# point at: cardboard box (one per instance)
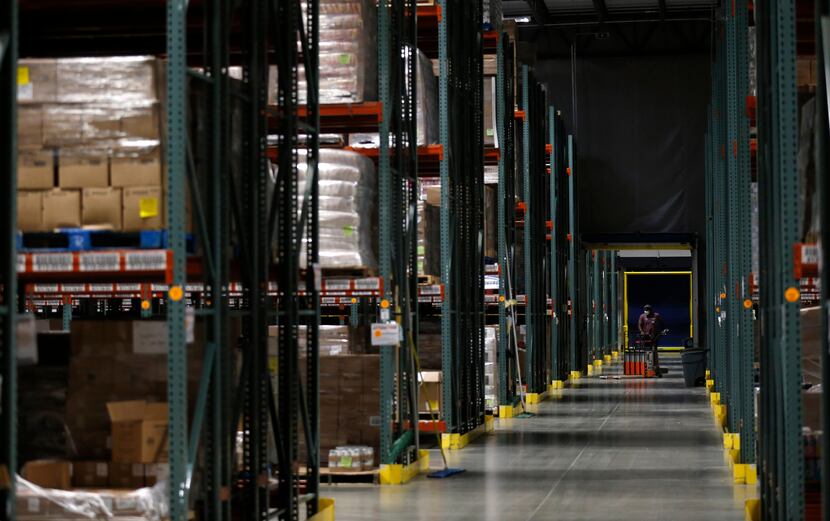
(430, 391)
(61, 209)
(489, 90)
(806, 72)
(139, 431)
(83, 171)
(143, 208)
(35, 169)
(37, 81)
(62, 125)
(126, 475)
(141, 169)
(155, 472)
(90, 474)
(29, 126)
(29, 210)
(101, 122)
(29, 505)
(142, 122)
(101, 207)
(49, 473)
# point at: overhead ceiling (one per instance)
(613, 27)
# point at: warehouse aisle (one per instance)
(609, 449)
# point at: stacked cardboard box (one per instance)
(116, 393)
(90, 147)
(37, 503)
(349, 402)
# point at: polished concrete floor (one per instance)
(607, 449)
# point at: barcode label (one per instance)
(430, 290)
(21, 263)
(52, 262)
(145, 261)
(99, 262)
(73, 288)
(367, 284)
(337, 285)
(100, 288)
(46, 288)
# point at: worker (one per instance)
(650, 323)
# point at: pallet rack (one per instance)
(460, 43)
(506, 204)
(240, 219)
(8, 264)
(780, 450)
(398, 240)
(535, 251)
(822, 31)
(729, 303)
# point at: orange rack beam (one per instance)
(340, 118)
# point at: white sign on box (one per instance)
(385, 334)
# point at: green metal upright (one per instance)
(528, 235)
(613, 310)
(822, 188)
(574, 358)
(176, 173)
(8, 255)
(781, 456)
(596, 302)
(505, 127)
(397, 183)
(553, 182)
(604, 262)
(460, 102)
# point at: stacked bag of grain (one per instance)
(90, 144)
(347, 192)
(348, 52)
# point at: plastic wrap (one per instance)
(118, 80)
(491, 375)
(348, 52)
(426, 110)
(347, 210)
(34, 502)
(90, 107)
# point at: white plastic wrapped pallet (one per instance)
(347, 210)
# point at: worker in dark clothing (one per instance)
(650, 323)
(651, 327)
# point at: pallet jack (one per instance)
(642, 359)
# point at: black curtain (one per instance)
(639, 137)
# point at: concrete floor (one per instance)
(605, 450)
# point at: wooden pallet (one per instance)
(357, 476)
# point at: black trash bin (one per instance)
(694, 366)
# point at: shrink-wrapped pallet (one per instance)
(347, 210)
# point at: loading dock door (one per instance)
(669, 293)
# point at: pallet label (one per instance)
(145, 261)
(99, 261)
(385, 334)
(367, 284)
(52, 262)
